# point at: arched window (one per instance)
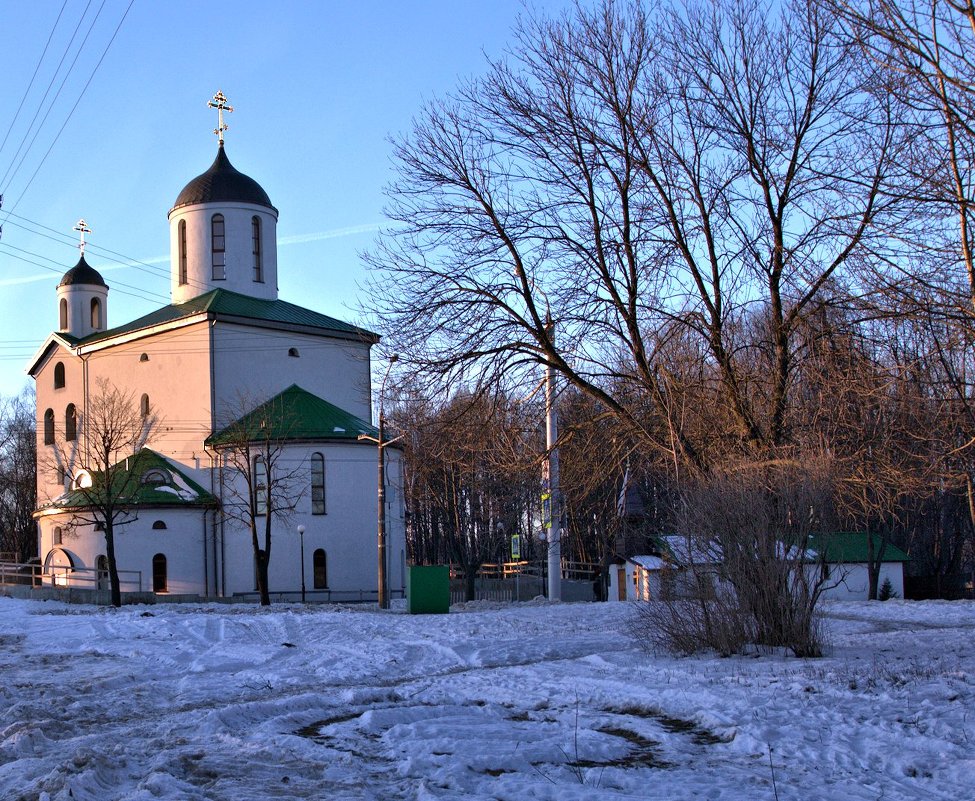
(181, 235)
(317, 484)
(260, 485)
(293, 353)
(256, 237)
(70, 423)
(159, 573)
(59, 375)
(154, 477)
(144, 406)
(159, 525)
(320, 569)
(63, 315)
(96, 314)
(49, 427)
(57, 536)
(218, 247)
(101, 565)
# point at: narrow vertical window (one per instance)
(60, 474)
(256, 236)
(258, 557)
(144, 406)
(49, 427)
(182, 251)
(96, 314)
(218, 247)
(59, 375)
(63, 315)
(70, 423)
(320, 569)
(58, 536)
(101, 566)
(260, 485)
(159, 581)
(317, 484)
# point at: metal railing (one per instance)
(12, 572)
(90, 578)
(36, 575)
(572, 571)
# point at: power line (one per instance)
(32, 77)
(75, 106)
(136, 291)
(154, 270)
(47, 91)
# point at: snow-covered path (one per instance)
(233, 703)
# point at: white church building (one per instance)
(226, 338)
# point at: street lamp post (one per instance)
(301, 539)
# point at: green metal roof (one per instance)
(147, 479)
(294, 414)
(224, 303)
(847, 547)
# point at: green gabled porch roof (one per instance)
(224, 303)
(851, 547)
(294, 414)
(176, 488)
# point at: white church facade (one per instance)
(227, 346)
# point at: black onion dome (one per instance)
(221, 183)
(82, 273)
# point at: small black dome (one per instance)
(222, 182)
(82, 273)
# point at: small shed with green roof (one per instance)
(847, 556)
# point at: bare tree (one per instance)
(18, 477)
(746, 575)
(472, 479)
(925, 54)
(112, 427)
(700, 175)
(261, 481)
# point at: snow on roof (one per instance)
(649, 562)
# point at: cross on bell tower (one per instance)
(82, 228)
(219, 102)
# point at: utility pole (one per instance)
(381, 444)
(554, 539)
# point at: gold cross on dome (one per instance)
(82, 228)
(219, 102)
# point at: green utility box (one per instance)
(428, 589)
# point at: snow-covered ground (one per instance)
(531, 701)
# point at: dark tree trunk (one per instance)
(113, 578)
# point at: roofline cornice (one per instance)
(359, 335)
(142, 333)
(53, 338)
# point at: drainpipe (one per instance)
(219, 568)
(206, 567)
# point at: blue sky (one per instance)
(318, 88)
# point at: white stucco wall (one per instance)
(58, 400)
(176, 377)
(851, 582)
(238, 255)
(136, 542)
(253, 364)
(79, 298)
(347, 531)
